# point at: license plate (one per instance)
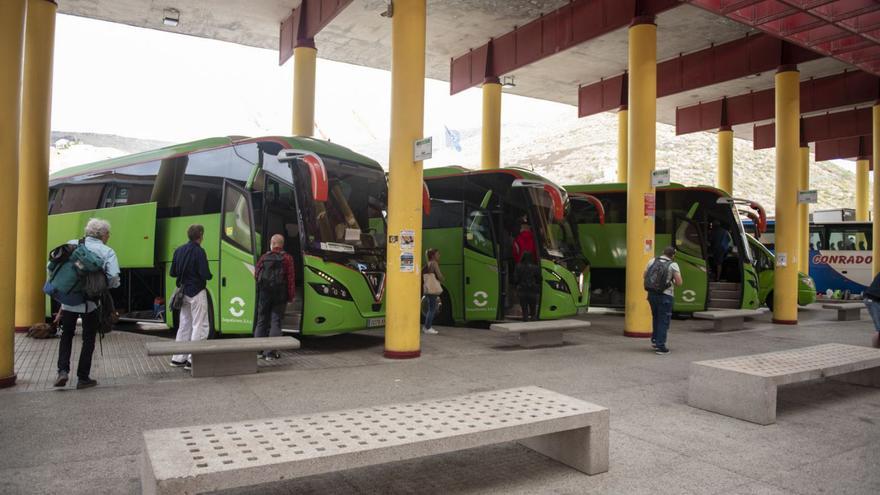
(375, 322)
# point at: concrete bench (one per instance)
(728, 319)
(220, 456)
(540, 333)
(745, 387)
(847, 311)
(222, 357)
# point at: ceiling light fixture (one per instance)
(508, 82)
(171, 18)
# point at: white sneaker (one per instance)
(429, 331)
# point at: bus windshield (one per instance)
(555, 236)
(746, 247)
(353, 217)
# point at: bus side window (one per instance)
(77, 197)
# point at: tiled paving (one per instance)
(826, 440)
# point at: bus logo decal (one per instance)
(236, 307)
(688, 295)
(481, 299)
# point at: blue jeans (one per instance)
(874, 311)
(431, 312)
(661, 314)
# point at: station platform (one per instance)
(826, 440)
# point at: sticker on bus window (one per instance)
(229, 231)
(337, 247)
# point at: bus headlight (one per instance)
(808, 281)
(581, 279)
(557, 283)
(331, 288)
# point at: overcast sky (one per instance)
(116, 79)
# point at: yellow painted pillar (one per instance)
(405, 178)
(12, 20)
(875, 225)
(622, 143)
(725, 160)
(804, 213)
(862, 190)
(305, 57)
(491, 145)
(787, 165)
(641, 153)
(33, 175)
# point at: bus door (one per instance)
(690, 256)
(237, 300)
(481, 274)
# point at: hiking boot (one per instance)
(177, 364)
(85, 383)
(62, 379)
(188, 366)
(661, 351)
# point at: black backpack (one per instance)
(272, 278)
(657, 276)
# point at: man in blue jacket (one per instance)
(872, 301)
(190, 267)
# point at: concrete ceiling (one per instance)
(359, 35)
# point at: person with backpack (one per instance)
(276, 286)
(662, 276)
(432, 279)
(189, 265)
(91, 255)
(871, 298)
(528, 286)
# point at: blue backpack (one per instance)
(76, 274)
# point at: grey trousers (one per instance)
(269, 318)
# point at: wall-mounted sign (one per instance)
(422, 149)
(808, 197)
(660, 178)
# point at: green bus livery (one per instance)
(473, 220)
(765, 262)
(683, 218)
(328, 202)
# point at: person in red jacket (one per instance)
(524, 243)
(276, 287)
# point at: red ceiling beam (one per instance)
(713, 65)
(831, 28)
(846, 148)
(304, 23)
(826, 93)
(565, 27)
(820, 128)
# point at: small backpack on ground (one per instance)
(272, 278)
(76, 274)
(43, 331)
(657, 276)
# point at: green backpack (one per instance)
(76, 274)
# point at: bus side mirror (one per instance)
(558, 204)
(318, 174)
(426, 199)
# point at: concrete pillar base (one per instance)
(637, 335)
(402, 354)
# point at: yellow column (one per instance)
(12, 19)
(491, 145)
(804, 214)
(304, 59)
(787, 164)
(875, 225)
(33, 175)
(405, 177)
(640, 160)
(862, 190)
(622, 143)
(725, 160)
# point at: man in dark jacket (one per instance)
(276, 286)
(872, 301)
(190, 267)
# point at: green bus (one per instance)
(765, 262)
(327, 201)
(683, 215)
(473, 220)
